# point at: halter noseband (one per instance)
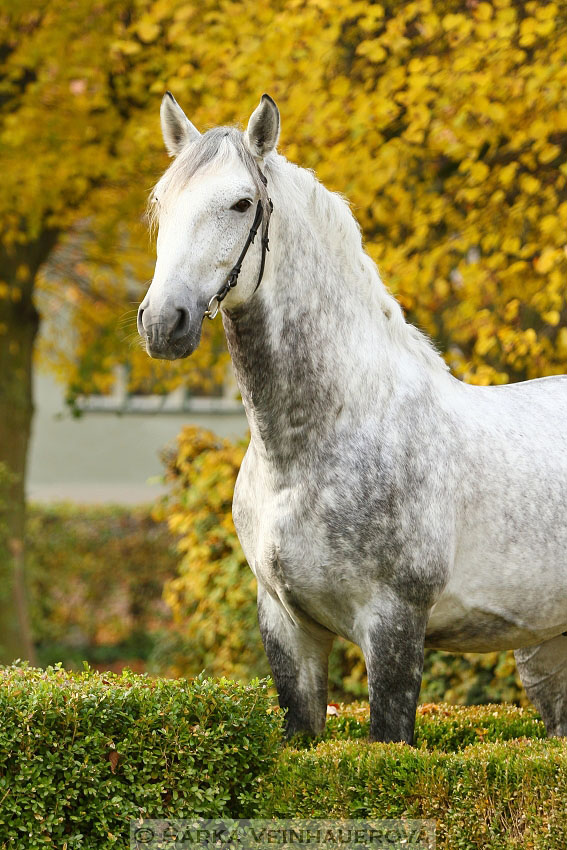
(232, 278)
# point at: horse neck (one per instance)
(312, 350)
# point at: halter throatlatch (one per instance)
(232, 278)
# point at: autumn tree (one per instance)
(77, 160)
(51, 156)
(60, 123)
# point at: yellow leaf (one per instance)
(549, 153)
(128, 48)
(549, 223)
(546, 260)
(511, 310)
(507, 173)
(529, 183)
(552, 317)
(147, 31)
(373, 50)
(562, 341)
(483, 12)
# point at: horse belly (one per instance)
(508, 583)
(496, 600)
(458, 625)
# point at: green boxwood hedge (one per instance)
(442, 726)
(82, 754)
(488, 796)
(486, 774)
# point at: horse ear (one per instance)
(263, 128)
(176, 128)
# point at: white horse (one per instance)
(380, 498)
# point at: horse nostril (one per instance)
(181, 326)
(140, 322)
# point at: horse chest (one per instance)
(274, 526)
(286, 546)
(327, 548)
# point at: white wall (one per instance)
(105, 457)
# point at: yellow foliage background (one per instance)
(444, 123)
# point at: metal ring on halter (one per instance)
(207, 312)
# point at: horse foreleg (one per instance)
(543, 671)
(298, 653)
(393, 651)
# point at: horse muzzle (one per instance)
(170, 333)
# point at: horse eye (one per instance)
(242, 205)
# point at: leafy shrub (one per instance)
(471, 678)
(213, 597)
(442, 726)
(490, 796)
(96, 577)
(82, 754)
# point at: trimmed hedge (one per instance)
(486, 774)
(442, 726)
(488, 796)
(82, 754)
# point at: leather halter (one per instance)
(232, 278)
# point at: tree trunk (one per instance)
(19, 322)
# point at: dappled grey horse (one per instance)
(380, 498)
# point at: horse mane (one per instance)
(345, 237)
(344, 234)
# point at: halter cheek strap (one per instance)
(232, 278)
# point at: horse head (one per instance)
(206, 208)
